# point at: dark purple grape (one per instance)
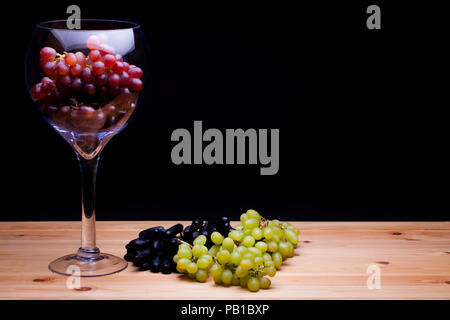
(166, 266)
(156, 262)
(141, 255)
(145, 266)
(138, 244)
(129, 256)
(114, 90)
(174, 230)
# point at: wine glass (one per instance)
(86, 83)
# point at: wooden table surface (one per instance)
(331, 262)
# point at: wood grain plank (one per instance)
(330, 263)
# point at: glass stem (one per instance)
(88, 250)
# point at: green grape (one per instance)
(253, 214)
(248, 241)
(192, 267)
(240, 272)
(261, 245)
(279, 232)
(276, 238)
(179, 269)
(235, 280)
(236, 235)
(207, 257)
(257, 233)
(293, 229)
(226, 276)
(271, 271)
(268, 233)
(216, 269)
(276, 222)
(243, 217)
(198, 250)
(277, 259)
(250, 223)
(201, 275)
(185, 253)
(223, 256)
(228, 244)
(216, 237)
(191, 275)
(255, 251)
(214, 249)
(243, 281)
(253, 284)
(235, 258)
(239, 227)
(182, 263)
(203, 263)
(291, 249)
(264, 283)
(200, 240)
(267, 257)
(247, 232)
(283, 248)
(248, 255)
(285, 225)
(269, 263)
(291, 236)
(184, 246)
(218, 278)
(272, 224)
(259, 261)
(176, 258)
(242, 249)
(246, 264)
(272, 246)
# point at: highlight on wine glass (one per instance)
(86, 83)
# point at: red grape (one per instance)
(125, 91)
(118, 57)
(48, 54)
(114, 80)
(109, 109)
(98, 67)
(87, 75)
(42, 62)
(76, 70)
(94, 55)
(114, 90)
(62, 68)
(117, 67)
(49, 67)
(93, 42)
(64, 81)
(101, 80)
(77, 84)
(62, 115)
(81, 58)
(135, 85)
(124, 79)
(86, 112)
(103, 91)
(109, 60)
(135, 72)
(89, 88)
(97, 121)
(126, 66)
(36, 91)
(48, 85)
(70, 59)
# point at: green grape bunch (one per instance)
(253, 250)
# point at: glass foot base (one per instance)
(73, 265)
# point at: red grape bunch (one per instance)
(87, 92)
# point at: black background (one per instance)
(359, 113)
